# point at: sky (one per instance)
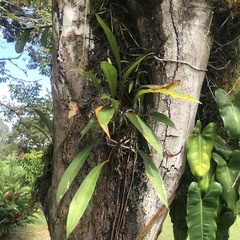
(7, 50)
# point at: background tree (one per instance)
(27, 22)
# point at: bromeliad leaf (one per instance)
(82, 197)
(89, 75)
(146, 131)
(104, 116)
(154, 177)
(230, 112)
(111, 74)
(161, 118)
(112, 41)
(72, 171)
(166, 89)
(202, 212)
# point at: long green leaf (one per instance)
(146, 131)
(202, 212)
(161, 118)
(46, 120)
(227, 175)
(89, 75)
(154, 177)
(230, 112)
(72, 171)
(112, 41)
(82, 197)
(111, 74)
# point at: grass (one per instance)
(167, 232)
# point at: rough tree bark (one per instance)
(124, 202)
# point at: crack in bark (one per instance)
(171, 11)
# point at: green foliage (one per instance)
(214, 198)
(26, 123)
(199, 149)
(82, 197)
(230, 112)
(146, 131)
(120, 109)
(154, 177)
(202, 212)
(15, 207)
(72, 171)
(32, 165)
(28, 23)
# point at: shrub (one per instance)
(16, 207)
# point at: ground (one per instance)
(36, 231)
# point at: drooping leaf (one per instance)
(225, 221)
(161, 118)
(229, 111)
(72, 171)
(202, 212)
(22, 40)
(46, 120)
(112, 41)
(90, 75)
(104, 115)
(111, 74)
(154, 177)
(199, 149)
(145, 130)
(82, 197)
(166, 89)
(89, 125)
(227, 175)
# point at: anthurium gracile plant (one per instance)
(105, 116)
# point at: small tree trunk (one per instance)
(124, 201)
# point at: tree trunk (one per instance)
(124, 205)
(179, 33)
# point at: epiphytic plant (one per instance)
(116, 110)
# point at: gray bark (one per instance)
(125, 205)
(181, 38)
